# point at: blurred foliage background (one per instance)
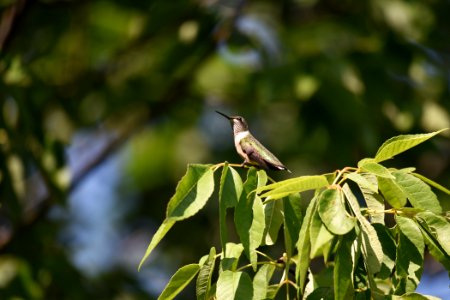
(103, 103)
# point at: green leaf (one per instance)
(256, 230)
(401, 143)
(249, 216)
(376, 169)
(292, 221)
(229, 193)
(204, 276)
(273, 212)
(371, 246)
(230, 257)
(418, 192)
(437, 226)
(261, 281)
(304, 246)
(262, 178)
(157, 237)
(432, 183)
(320, 236)
(333, 214)
(230, 187)
(414, 296)
(234, 285)
(291, 186)
(435, 248)
(363, 182)
(343, 268)
(192, 192)
(392, 192)
(374, 201)
(389, 249)
(179, 281)
(410, 250)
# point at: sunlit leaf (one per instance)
(273, 212)
(371, 246)
(333, 213)
(363, 182)
(203, 285)
(229, 192)
(432, 183)
(410, 251)
(374, 201)
(414, 296)
(437, 226)
(249, 216)
(256, 230)
(234, 285)
(435, 248)
(304, 246)
(419, 193)
(160, 233)
(389, 249)
(179, 281)
(376, 169)
(192, 192)
(401, 143)
(230, 257)
(291, 186)
(261, 281)
(392, 192)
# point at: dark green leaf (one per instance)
(343, 269)
(179, 281)
(292, 221)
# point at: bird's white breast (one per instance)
(237, 140)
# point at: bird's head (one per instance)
(238, 123)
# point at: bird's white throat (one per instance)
(243, 134)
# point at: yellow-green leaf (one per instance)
(401, 143)
(291, 186)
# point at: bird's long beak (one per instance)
(229, 118)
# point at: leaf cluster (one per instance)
(344, 223)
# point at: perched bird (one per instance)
(250, 149)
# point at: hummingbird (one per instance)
(249, 148)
